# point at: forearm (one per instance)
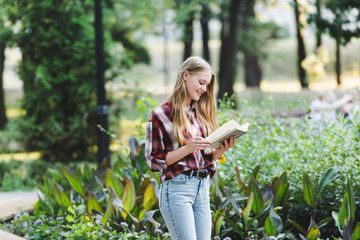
(176, 155)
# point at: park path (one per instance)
(12, 203)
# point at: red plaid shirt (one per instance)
(160, 139)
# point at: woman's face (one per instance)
(196, 84)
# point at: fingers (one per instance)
(228, 143)
(232, 141)
(199, 143)
(199, 139)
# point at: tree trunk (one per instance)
(252, 68)
(227, 71)
(338, 63)
(253, 71)
(318, 32)
(188, 36)
(3, 118)
(204, 21)
(301, 47)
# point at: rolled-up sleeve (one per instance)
(155, 152)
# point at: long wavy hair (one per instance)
(205, 108)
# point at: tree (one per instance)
(185, 18)
(5, 38)
(56, 39)
(341, 23)
(187, 12)
(120, 25)
(318, 5)
(252, 68)
(301, 53)
(228, 50)
(204, 21)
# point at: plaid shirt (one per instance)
(160, 139)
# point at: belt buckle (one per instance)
(202, 173)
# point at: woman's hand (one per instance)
(228, 144)
(197, 143)
(223, 147)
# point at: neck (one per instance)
(188, 103)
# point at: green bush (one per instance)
(58, 70)
(10, 137)
(22, 175)
(295, 145)
(42, 227)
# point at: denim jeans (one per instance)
(185, 206)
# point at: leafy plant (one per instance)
(100, 195)
(74, 227)
(311, 197)
(345, 218)
(249, 210)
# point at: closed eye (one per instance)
(203, 83)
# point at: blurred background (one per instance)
(281, 50)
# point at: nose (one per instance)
(203, 88)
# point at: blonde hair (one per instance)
(205, 108)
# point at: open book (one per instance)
(231, 128)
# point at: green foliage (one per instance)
(256, 41)
(76, 227)
(273, 224)
(101, 197)
(127, 47)
(6, 33)
(252, 215)
(58, 66)
(280, 189)
(294, 145)
(341, 22)
(345, 218)
(57, 43)
(22, 175)
(309, 192)
(311, 197)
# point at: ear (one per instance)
(186, 75)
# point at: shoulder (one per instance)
(161, 112)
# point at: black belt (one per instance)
(202, 173)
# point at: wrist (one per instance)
(187, 149)
(217, 154)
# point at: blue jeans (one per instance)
(185, 206)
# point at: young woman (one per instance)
(176, 146)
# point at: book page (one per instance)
(230, 125)
(229, 129)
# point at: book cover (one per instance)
(231, 128)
